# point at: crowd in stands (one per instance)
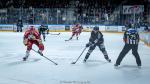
(59, 11)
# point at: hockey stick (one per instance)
(67, 40)
(79, 56)
(45, 57)
(54, 34)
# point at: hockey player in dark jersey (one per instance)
(42, 30)
(80, 29)
(96, 39)
(131, 39)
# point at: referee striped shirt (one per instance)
(131, 36)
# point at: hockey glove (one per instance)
(92, 45)
(25, 42)
(88, 44)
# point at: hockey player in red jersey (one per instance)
(75, 31)
(31, 37)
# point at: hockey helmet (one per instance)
(96, 28)
(130, 25)
(42, 24)
(31, 28)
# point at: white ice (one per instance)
(38, 70)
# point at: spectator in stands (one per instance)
(146, 28)
(19, 25)
(31, 19)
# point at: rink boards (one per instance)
(64, 28)
(145, 37)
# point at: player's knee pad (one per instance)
(103, 49)
(89, 52)
(135, 53)
(29, 46)
(41, 47)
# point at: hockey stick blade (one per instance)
(66, 40)
(79, 56)
(54, 34)
(73, 62)
(56, 64)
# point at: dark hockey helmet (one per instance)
(130, 25)
(42, 24)
(96, 28)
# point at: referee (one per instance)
(131, 39)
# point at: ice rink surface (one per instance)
(38, 70)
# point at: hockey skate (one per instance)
(84, 61)
(139, 66)
(77, 38)
(116, 66)
(106, 57)
(26, 56)
(108, 60)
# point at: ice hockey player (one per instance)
(31, 37)
(96, 39)
(131, 39)
(75, 31)
(80, 29)
(42, 30)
